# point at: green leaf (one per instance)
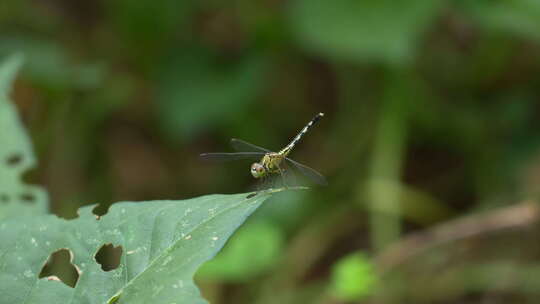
(49, 65)
(353, 277)
(237, 262)
(146, 28)
(198, 91)
(163, 243)
(16, 155)
(521, 17)
(367, 30)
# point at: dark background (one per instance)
(432, 114)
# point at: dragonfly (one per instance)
(270, 163)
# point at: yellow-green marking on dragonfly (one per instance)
(270, 162)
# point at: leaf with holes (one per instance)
(159, 244)
(16, 155)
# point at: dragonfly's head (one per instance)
(257, 170)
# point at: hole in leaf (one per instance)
(4, 198)
(109, 256)
(14, 160)
(28, 198)
(100, 210)
(59, 267)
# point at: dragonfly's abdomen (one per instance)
(299, 136)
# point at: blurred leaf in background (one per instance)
(147, 28)
(252, 251)
(198, 90)
(353, 277)
(384, 31)
(520, 17)
(16, 155)
(48, 64)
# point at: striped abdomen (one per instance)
(290, 146)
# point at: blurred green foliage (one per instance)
(376, 31)
(353, 277)
(251, 251)
(432, 111)
(16, 198)
(220, 89)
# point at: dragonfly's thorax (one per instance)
(271, 162)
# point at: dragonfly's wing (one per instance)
(231, 156)
(308, 172)
(240, 145)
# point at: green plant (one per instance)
(353, 277)
(161, 244)
(16, 154)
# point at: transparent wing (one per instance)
(231, 156)
(308, 172)
(240, 145)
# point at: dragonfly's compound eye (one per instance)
(257, 170)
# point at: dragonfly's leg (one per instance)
(282, 177)
(292, 177)
(266, 183)
(271, 181)
(260, 185)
